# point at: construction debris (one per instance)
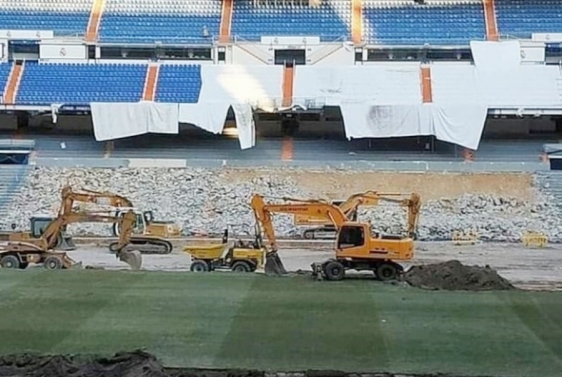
(142, 364)
(206, 201)
(454, 276)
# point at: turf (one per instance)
(250, 321)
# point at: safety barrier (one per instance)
(534, 239)
(465, 237)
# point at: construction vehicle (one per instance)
(356, 248)
(326, 229)
(238, 257)
(148, 236)
(38, 247)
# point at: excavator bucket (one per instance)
(273, 264)
(133, 258)
(65, 243)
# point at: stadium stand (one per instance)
(331, 20)
(166, 21)
(521, 18)
(64, 17)
(79, 84)
(403, 22)
(4, 75)
(179, 83)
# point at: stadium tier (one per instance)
(77, 84)
(167, 21)
(5, 69)
(396, 22)
(65, 17)
(330, 21)
(520, 18)
(178, 83)
(405, 22)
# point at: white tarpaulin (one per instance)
(118, 120)
(526, 86)
(241, 87)
(496, 55)
(386, 85)
(458, 124)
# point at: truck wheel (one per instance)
(10, 261)
(52, 263)
(241, 266)
(387, 271)
(334, 270)
(199, 266)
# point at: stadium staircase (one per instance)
(11, 179)
(550, 183)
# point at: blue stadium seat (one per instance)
(178, 83)
(331, 21)
(80, 84)
(521, 18)
(404, 22)
(166, 21)
(64, 17)
(5, 69)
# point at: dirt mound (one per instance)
(142, 364)
(130, 364)
(454, 276)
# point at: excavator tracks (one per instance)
(146, 246)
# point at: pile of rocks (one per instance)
(206, 201)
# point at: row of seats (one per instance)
(80, 84)
(5, 69)
(198, 21)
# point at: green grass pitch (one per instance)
(250, 321)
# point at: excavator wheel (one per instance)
(146, 246)
(387, 271)
(52, 263)
(10, 261)
(334, 271)
(308, 234)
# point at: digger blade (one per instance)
(133, 258)
(274, 265)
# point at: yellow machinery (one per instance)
(350, 206)
(38, 249)
(148, 235)
(356, 248)
(239, 257)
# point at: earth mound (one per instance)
(142, 364)
(455, 276)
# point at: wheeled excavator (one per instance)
(350, 206)
(148, 236)
(356, 248)
(39, 249)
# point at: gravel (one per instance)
(205, 201)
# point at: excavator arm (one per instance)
(69, 196)
(263, 214)
(50, 234)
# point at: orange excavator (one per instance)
(350, 206)
(356, 248)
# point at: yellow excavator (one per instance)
(148, 235)
(356, 248)
(350, 206)
(37, 246)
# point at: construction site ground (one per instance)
(294, 323)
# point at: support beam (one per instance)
(288, 78)
(12, 86)
(356, 21)
(492, 33)
(426, 87)
(226, 20)
(95, 19)
(150, 83)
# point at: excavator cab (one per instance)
(38, 224)
(351, 236)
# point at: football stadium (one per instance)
(281, 188)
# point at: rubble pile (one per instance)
(206, 201)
